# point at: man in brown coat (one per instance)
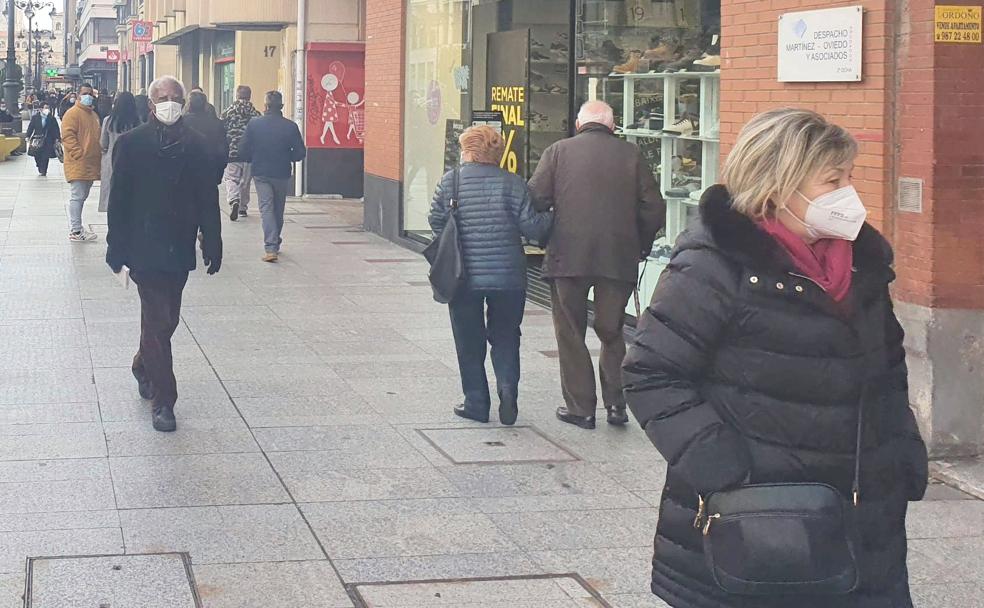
(83, 158)
(607, 211)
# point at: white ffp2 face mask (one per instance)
(836, 215)
(168, 112)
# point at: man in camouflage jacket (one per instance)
(238, 173)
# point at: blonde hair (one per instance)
(776, 152)
(482, 144)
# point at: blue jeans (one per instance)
(472, 334)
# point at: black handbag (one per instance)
(447, 272)
(34, 145)
(59, 151)
(783, 538)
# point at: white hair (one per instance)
(157, 84)
(596, 112)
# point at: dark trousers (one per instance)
(570, 315)
(41, 160)
(160, 313)
(472, 334)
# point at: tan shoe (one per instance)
(270, 257)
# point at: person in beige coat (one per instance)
(83, 157)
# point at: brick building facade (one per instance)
(918, 114)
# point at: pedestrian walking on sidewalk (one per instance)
(771, 355)
(494, 213)
(163, 194)
(44, 125)
(199, 117)
(607, 213)
(237, 172)
(83, 158)
(272, 144)
(121, 119)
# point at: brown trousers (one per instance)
(570, 316)
(160, 313)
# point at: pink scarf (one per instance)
(827, 262)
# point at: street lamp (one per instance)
(40, 35)
(30, 8)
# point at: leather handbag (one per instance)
(34, 145)
(59, 151)
(783, 538)
(447, 273)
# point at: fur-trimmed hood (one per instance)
(738, 238)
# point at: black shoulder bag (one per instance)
(447, 272)
(783, 538)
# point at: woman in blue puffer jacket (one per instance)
(494, 213)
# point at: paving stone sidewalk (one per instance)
(317, 461)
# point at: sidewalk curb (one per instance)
(945, 471)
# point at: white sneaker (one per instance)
(82, 236)
(683, 126)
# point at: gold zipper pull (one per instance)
(700, 512)
(710, 518)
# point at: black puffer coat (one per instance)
(494, 211)
(743, 371)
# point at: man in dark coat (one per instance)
(607, 213)
(44, 125)
(201, 119)
(272, 144)
(163, 193)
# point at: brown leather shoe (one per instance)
(271, 257)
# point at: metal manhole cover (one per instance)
(513, 445)
(554, 590)
(160, 580)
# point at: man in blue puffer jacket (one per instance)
(494, 213)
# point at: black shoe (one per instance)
(43, 174)
(508, 406)
(585, 422)
(234, 212)
(242, 213)
(164, 420)
(143, 386)
(617, 415)
(464, 412)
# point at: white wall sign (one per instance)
(821, 46)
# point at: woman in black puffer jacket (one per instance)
(494, 213)
(771, 321)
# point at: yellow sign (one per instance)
(958, 24)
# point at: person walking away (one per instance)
(272, 144)
(494, 213)
(80, 140)
(238, 171)
(67, 103)
(45, 126)
(122, 118)
(143, 104)
(769, 350)
(104, 105)
(210, 108)
(607, 213)
(198, 117)
(163, 194)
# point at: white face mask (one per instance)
(45, 112)
(836, 215)
(168, 112)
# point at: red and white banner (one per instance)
(143, 31)
(112, 56)
(335, 100)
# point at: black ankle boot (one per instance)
(617, 415)
(585, 422)
(465, 412)
(164, 420)
(508, 406)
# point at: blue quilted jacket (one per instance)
(494, 213)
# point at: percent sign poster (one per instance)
(508, 92)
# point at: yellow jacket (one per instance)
(80, 139)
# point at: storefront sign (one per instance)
(958, 24)
(143, 31)
(112, 56)
(336, 89)
(452, 147)
(488, 119)
(821, 46)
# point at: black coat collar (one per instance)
(739, 238)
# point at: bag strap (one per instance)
(453, 201)
(856, 487)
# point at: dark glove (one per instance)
(213, 264)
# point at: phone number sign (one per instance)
(958, 24)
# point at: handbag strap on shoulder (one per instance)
(856, 487)
(453, 201)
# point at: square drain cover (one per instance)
(546, 591)
(518, 444)
(111, 581)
